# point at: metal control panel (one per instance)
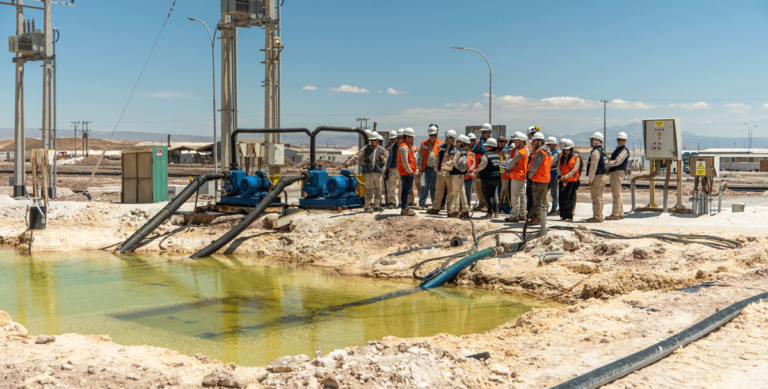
(274, 153)
(704, 166)
(663, 139)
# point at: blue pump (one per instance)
(326, 192)
(244, 190)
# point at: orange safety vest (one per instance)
(425, 151)
(566, 168)
(411, 160)
(542, 174)
(519, 171)
(471, 164)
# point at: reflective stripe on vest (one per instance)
(542, 174)
(411, 160)
(471, 164)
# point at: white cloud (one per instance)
(765, 107)
(391, 91)
(699, 105)
(563, 102)
(623, 104)
(349, 89)
(171, 95)
(381, 91)
(455, 105)
(477, 105)
(738, 108)
(309, 87)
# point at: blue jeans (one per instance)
(468, 189)
(406, 186)
(430, 183)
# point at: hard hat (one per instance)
(486, 127)
(379, 137)
(400, 131)
(463, 139)
(538, 136)
(598, 136)
(393, 134)
(412, 130)
(520, 136)
(471, 136)
(533, 129)
(622, 135)
(502, 138)
(450, 134)
(491, 142)
(373, 136)
(551, 140)
(409, 132)
(563, 143)
(432, 130)
(568, 144)
(367, 132)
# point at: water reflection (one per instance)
(239, 310)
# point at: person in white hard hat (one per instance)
(569, 170)
(444, 186)
(416, 192)
(374, 157)
(529, 187)
(488, 175)
(617, 168)
(596, 172)
(460, 167)
(553, 187)
(407, 169)
(479, 149)
(518, 170)
(539, 174)
(428, 157)
(471, 169)
(393, 179)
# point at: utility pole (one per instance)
(605, 134)
(361, 120)
(19, 189)
(86, 135)
(74, 137)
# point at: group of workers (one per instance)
(515, 177)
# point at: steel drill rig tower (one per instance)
(247, 14)
(30, 44)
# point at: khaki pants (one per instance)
(596, 190)
(459, 194)
(372, 189)
(479, 192)
(504, 191)
(444, 187)
(415, 193)
(518, 201)
(540, 190)
(618, 205)
(394, 178)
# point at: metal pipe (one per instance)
(250, 218)
(320, 129)
(19, 170)
(55, 133)
(166, 212)
(653, 173)
(666, 186)
(720, 196)
(235, 133)
(543, 220)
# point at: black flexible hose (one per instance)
(167, 212)
(707, 240)
(248, 219)
(615, 370)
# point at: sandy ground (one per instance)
(622, 296)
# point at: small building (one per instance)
(183, 155)
(300, 154)
(736, 159)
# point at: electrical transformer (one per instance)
(248, 9)
(663, 139)
(30, 43)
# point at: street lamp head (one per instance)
(458, 48)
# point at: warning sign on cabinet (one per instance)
(701, 168)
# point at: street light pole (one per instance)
(213, 73)
(605, 126)
(490, 97)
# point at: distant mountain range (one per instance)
(633, 130)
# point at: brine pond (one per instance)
(242, 310)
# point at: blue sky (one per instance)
(703, 61)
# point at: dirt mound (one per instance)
(67, 144)
(94, 159)
(626, 281)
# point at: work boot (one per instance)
(614, 217)
(593, 220)
(552, 213)
(464, 215)
(378, 209)
(534, 222)
(495, 215)
(433, 212)
(569, 220)
(511, 219)
(453, 214)
(487, 216)
(368, 210)
(478, 208)
(407, 212)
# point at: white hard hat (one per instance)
(471, 135)
(379, 137)
(400, 131)
(450, 134)
(519, 136)
(409, 132)
(393, 134)
(622, 135)
(568, 144)
(538, 136)
(598, 136)
(432, 130)
(373, 136)
(486, 127)
(491, 142)
(533, 129)
(463, 138)
(551, 140)
(563, 143)
(367, 132)
(412, 130)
